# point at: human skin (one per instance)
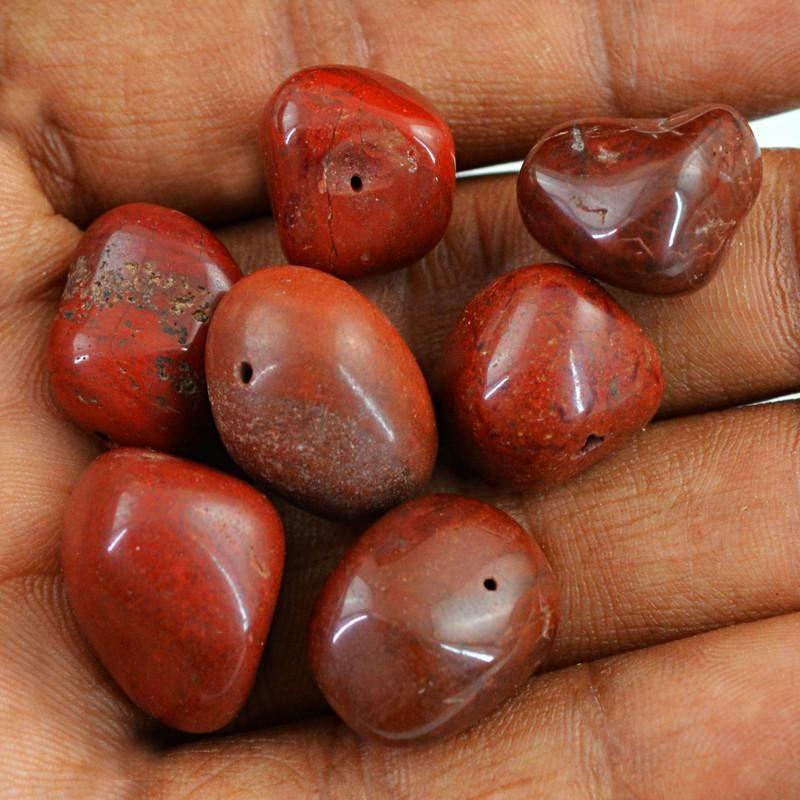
(673, 674)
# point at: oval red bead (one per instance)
(126, 348)
(645, 204)
(172, 570)
(438, 614)
(315, 393)
(545, 374)
(360, 170)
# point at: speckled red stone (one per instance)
(544, 375)
(315, 393)
(126, 348)
(438, 614)
(360, 170)
(172, 570)
(648, 205)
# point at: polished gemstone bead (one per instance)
(172, 570)
(126, 348)
(438, 614)
(544, 375)
(645, 204)
(315, 393)
(360, 170)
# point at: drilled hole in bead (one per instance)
(103, 437)
(591, 442)
(245, 372)
(490, 584)
(356, 184)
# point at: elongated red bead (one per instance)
(645, 204)
(316, 394)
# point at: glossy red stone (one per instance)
(172, 570)
(645, 204)
(360, 170)
(315, 393)
(438, 614)
(544, 375)
(126, 348)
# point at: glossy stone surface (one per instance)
(545, 374)
(360, 170)
(439, 613)
(315, 393)
(126, 348)
(172, 570)
(645, 204)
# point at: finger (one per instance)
(662, 540)
(734, 341)
(711, 716)
(114, 107)
(667, 539)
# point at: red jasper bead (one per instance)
(315, 393)
(126, 348)
(360, 170)
(645, 204)
(172, 570)
(438, 614)
(544, 375)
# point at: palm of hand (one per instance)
(692, 528)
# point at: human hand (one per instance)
(693, 527)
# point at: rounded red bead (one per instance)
(315, 393)
(126, 348)
(439, 613)
(645, 204)
(172, 570)
(545, 374)
(360, 170)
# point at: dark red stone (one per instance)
(360, 170)
(315, 393)
(173, 570)
(544, 375)
(645, 204)
(438, 614)
(126, 347)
